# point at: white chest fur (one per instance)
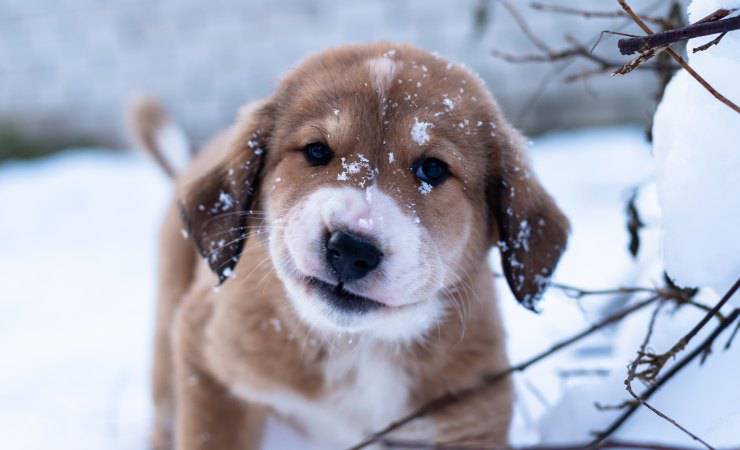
(365, 391)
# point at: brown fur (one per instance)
(145, 117)
(210, 343)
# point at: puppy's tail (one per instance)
(153, 131)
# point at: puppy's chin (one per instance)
(322, 310)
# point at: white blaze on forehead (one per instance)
(382, 72)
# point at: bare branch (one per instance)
(654, 386)
(709, 44)
(524, 27)
(572, 373)
(634, 223)
(646, 375)
(636, 63)
(684, 341)
(612, 444)
(641, 44)
(595, 14)
(732, 336)
(490, 379)
(576, 293)
(628, 9)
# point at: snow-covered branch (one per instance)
(667, 293)
(700, 350)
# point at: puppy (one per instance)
(325, 257)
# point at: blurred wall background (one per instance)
(68, 66)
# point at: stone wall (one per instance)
(68, 66)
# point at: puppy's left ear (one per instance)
(531, 230)
(217, 208)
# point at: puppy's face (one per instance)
(383, 175)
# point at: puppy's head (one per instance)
(382, 176)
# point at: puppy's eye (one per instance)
(431, 170)
(318, 154)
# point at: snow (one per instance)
(425, 188)
(697, 149)
(419, 133)
(448, 104)
(701, 397)
(78, 295)
(360, 164)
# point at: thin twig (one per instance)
(633, 373)
(490, 379)
(549, 55)
(709, 44)
(628, 9)
(634, 222)
(540, 91)
(571, 373)
(577, 293)
(531, 35)
(611, 444)
(684, 341)
(656, 362)
(594, 14)
(655, 40)
(631, 408)
(638, 62)
(732, 336)
(577, 50)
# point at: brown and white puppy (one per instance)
(372, 183)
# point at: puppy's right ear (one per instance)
(216, 207)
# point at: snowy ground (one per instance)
(77, 258)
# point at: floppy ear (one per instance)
(532, 231)
(216, 207)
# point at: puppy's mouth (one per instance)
(342, 299)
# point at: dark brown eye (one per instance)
(318, 154)
(431, 170)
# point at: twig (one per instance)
(684, 341)
(540, 90)
(577, 50)
(524, 27)
(610, 444)
(490, 379)
(714, 41)
(568, 56)
(570, 373)
(656, 40)
(633, 373)
(632, 368)
(595, 14)
(628, 9)
(577, 293)
(638, 62)
(634, 222)
(732, 336)
(682, 296)
(656, 362)
(631, 408)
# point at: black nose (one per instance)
(350, 256)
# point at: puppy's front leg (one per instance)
(209, 417)
(480, 421)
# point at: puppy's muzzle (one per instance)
(351, 257)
